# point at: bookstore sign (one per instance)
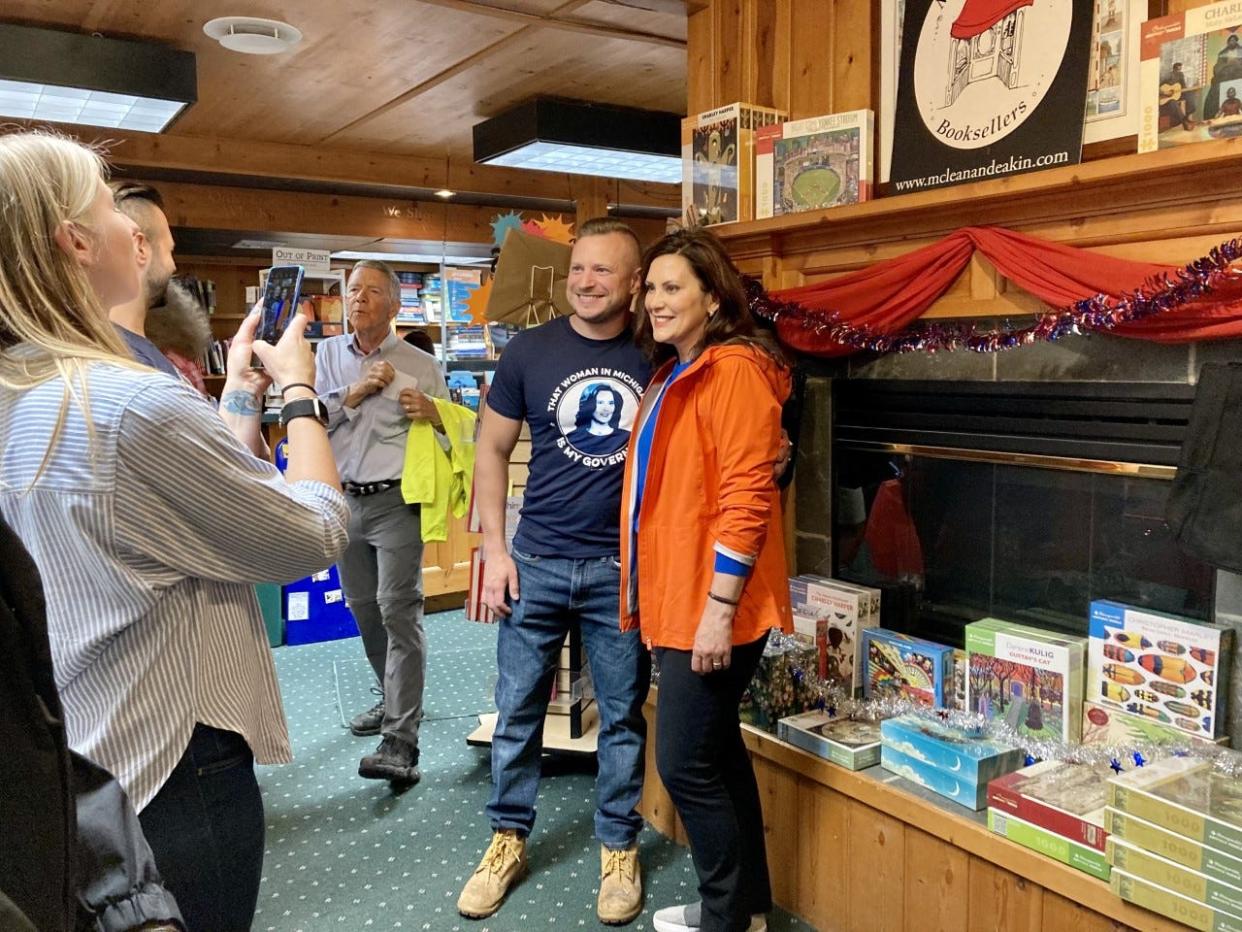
(988, 88)
(312, 260)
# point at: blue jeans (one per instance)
(555, 593)
(205, 828)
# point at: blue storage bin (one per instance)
(315, 610)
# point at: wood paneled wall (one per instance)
(806, 57)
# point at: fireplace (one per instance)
(1021, 500)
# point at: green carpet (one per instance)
(350, 854)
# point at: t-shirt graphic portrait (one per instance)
(580, 399)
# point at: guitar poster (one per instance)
(989, 88)
(1190, 72)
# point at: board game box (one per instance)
(1189, 912)
(1184, 795)
(1173, 876)
(1029, 677)
(1169, 669)
(849, 743)
(1089, 860)
(847, 610)
(932, 744)
(942, 782)
(1190, 77)
(902, 666)
(718, 162)
(1064, 798)
(813, 164)
(1193, 854)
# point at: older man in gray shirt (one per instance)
(373, 384)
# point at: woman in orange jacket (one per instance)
(703, 571)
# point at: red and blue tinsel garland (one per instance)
(1098, 314)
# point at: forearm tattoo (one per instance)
(241, 403)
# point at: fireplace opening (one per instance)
(1023, 501)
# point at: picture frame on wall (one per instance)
(1113, 91)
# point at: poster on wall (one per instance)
(1113, 95)
(988, 88)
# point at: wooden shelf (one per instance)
(1195, 175)
(865, 850)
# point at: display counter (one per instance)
(868, 851)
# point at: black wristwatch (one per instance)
(303, 407)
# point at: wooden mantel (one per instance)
(1169, 206)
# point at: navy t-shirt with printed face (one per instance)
(580, 398)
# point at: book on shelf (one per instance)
(1190, 77)
(812, 164)
(203, 290)
(718, 162)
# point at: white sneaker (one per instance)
(690, 918)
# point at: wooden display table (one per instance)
(871, 852)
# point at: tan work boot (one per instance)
(502, 866)
(620, 886)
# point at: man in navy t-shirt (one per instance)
(577, 382)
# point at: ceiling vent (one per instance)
(252, 36)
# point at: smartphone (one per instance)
(280, 300)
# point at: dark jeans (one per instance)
(707, 772)
(205, 828)
(555, 593)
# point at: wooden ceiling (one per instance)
(399, 77)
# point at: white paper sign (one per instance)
(299, 606)
(312, 260)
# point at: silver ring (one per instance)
(717, 663)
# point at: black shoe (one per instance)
(393, 760)
(368, 723)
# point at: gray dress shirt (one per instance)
(369, 441)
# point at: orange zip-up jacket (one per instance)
(709, 489)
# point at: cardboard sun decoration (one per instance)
(529, 285)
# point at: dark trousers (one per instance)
(205, 828)
(707, 772)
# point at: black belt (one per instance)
(369, 488)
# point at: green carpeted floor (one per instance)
(350, 854)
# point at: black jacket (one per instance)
(73, 855)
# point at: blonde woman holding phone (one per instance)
(149, 523)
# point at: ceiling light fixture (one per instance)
(549, 134)
(67, 77)
(252, 36)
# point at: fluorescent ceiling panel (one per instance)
(582, 160)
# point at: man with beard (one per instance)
(564, 567)
(381, 570)
(154, 247)
(241, 400)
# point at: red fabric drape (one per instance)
(978, 15)
(890, 296)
